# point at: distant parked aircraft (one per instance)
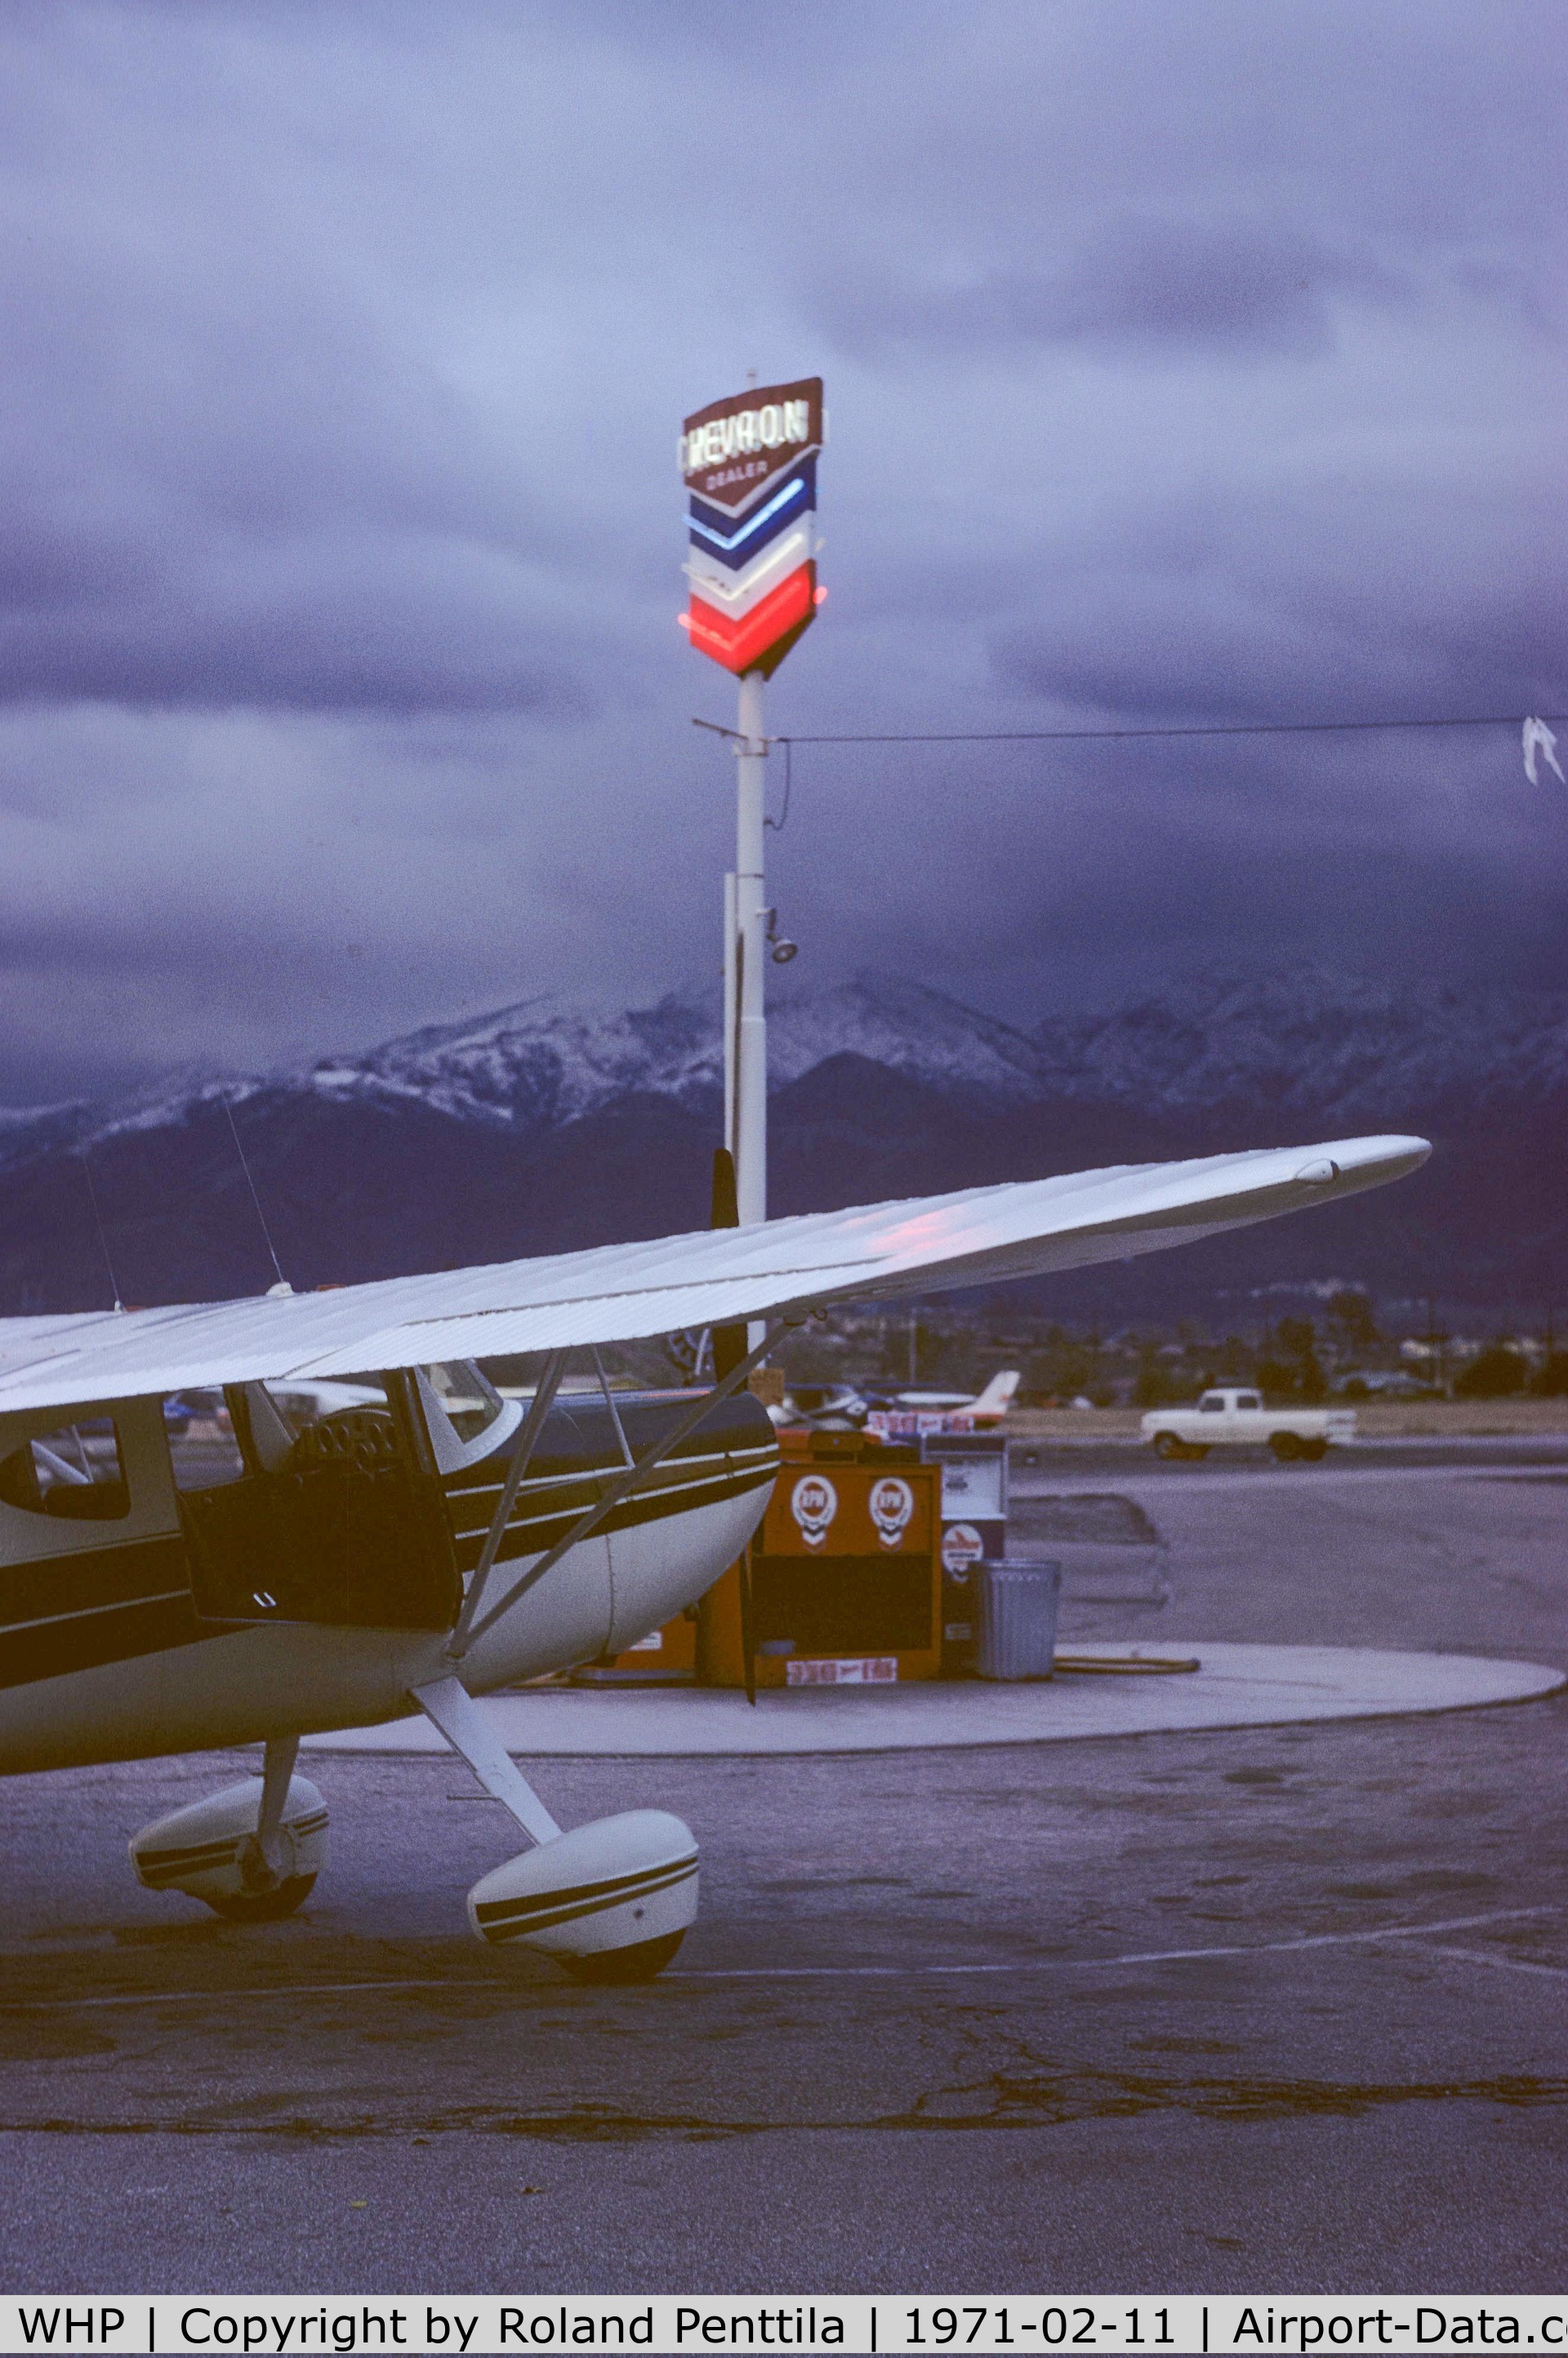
(988, 1407)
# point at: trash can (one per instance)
(1017, 1634)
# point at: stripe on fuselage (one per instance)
(82, 1610)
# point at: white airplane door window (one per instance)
(203, 1450)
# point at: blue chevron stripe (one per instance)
(735, 545)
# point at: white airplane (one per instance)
(334, 1565)
(988, 1407)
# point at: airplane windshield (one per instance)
(469, 1400)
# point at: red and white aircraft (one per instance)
(285, 1563)
(983, 1408)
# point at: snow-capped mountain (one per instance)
(548, 1061)
(542, 1062)
(549, 1124)
(1305, 1041)
(1314, 1041)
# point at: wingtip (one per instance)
(1371, 1159)
(1409, 1153)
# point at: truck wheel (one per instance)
(1314, 1451)
(1166, 1444)
(1286, 1446)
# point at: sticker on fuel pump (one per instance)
(962, 1548)
(891, 1503)
(814, 1502)
(870, 1671)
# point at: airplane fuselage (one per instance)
(314, 1595)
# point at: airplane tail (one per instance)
(997, 1396)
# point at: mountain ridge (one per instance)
(1306, 1039)
(549, 1124)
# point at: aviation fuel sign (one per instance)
(750, 465)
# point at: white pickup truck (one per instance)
(1232, 1419)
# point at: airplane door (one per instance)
(345, 1531)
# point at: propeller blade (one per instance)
(726, 1213)
(729, 1348)
(729, 1342)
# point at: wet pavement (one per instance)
(1276, 2008)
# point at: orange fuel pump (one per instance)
(846, 1572)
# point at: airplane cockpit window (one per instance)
(76, 1471)
(202, 1448)
(331, 1420)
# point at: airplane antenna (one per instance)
(283, 1286)
(98, 1224)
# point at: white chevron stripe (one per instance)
(734, 594)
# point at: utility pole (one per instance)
(745, 954)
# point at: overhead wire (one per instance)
(779, 824)
(1061, 736)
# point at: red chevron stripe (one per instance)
(741, 646)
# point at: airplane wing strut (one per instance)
(609, 1497)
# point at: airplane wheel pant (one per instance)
(608, 1901)
(210, 1849)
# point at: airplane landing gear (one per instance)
(252, 1852)
(640, 1963)
(609, 1901)
(264, 1907)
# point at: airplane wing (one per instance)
(615, 1293)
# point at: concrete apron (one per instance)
(1236, 1686)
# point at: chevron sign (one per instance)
(750, 465)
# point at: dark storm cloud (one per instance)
(338, 632)
(1238, 285)
(1181, 364)
(1289, 620)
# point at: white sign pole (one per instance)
(732, 1010)
(750, 1119)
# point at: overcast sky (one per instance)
(1185, 364)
